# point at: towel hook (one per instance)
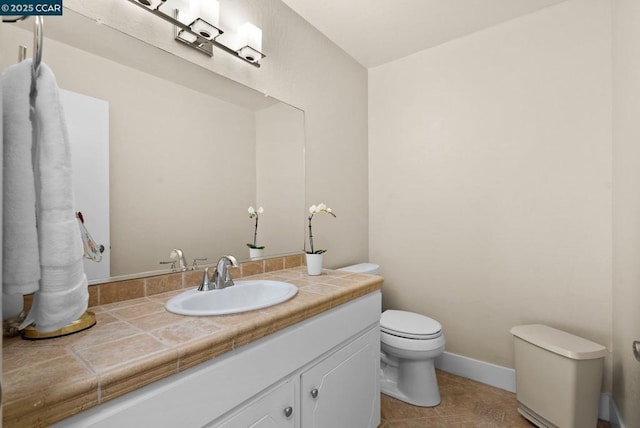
(37, 46)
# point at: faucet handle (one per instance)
(205, 281)
(172, 263)
(195, 262)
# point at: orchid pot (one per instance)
(256, 253)
(314, 264)
(314, 256)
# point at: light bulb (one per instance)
(187, 9)
(181, 5)
(250, 42)
(210, 11)
(187, 37)
(250, 35)
(207, 23)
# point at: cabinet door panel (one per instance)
(343, 390)
(267, 411)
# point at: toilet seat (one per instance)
(404, 344)
(409, 325)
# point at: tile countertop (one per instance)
(136, 342)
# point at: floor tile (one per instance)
(465, 404)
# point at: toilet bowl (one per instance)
(409, 344)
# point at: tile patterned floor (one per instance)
(465, 404)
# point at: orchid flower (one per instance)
(253, 213)
(313, 210)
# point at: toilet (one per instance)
(409, 344)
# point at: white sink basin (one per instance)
(244, 296)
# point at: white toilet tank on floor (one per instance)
(370, 268)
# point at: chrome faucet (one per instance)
(222, 278)
(182, 262)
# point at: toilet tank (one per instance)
(558, 377)
(370, 268)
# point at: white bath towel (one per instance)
(21, 263)
(63, 294)
(11, 303)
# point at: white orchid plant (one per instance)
(313, 210)
(255, 214)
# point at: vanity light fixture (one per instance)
(197, 25)
(250, 38)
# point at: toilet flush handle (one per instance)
(314, 392)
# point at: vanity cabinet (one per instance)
(339, 390)
(342, 390)
(274, 408)
(322, 372)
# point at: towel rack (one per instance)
(38, 35)
(88, 319)
(37, 41)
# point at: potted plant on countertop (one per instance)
(255, 250)
(313, 256)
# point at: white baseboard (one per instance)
(480, 371)
(505, 378)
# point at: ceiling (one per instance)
(378, 31)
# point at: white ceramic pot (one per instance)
(256, 253)
(314, 264)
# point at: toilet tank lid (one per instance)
(371, 268)
(559, 342)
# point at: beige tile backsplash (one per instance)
(120, 291)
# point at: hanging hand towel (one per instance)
(63, 295)
(20, 260)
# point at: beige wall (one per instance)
(490, 180)
(626, 208)
(303, 69)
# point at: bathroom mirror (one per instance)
(189, 150)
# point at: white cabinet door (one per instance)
(274, 409)
(343, 391)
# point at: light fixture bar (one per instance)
(191, 38)
(185, 34)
